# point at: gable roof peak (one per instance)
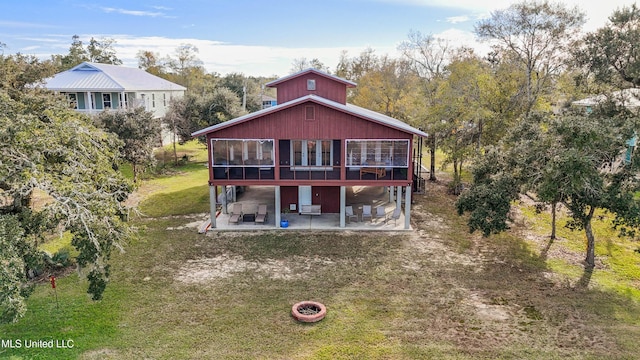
(279, 81)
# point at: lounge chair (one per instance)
(261, 215)
(236, 214)
(380, 213)
(366, 212)
(396, 215)
(349, 213)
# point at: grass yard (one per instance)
(435, 293)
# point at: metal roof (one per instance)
(314, 71)
(349, 109)
(104, 77)
(627, 97)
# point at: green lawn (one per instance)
(436, 293)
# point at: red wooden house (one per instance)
(311, 146)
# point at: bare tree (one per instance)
(185, 61)
(428, 56)
(536, 35)
(303, 63)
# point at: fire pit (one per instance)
(308, 311)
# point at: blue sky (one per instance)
(254, 37)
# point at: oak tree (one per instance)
(47, 148)
(612, 53)
(139, 131)
(576, 160)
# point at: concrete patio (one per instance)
(357, 196)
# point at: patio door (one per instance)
(304, 196)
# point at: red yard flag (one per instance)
(53, 281)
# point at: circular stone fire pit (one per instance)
(308, 311)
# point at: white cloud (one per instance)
(133, 12)
(225, 58)
(158, 7)
(23, 25)
(458, 38)
(458, 19)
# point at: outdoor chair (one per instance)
(366, 212)
(236, 214)
(349, 213)
(396, 215)
(261, 215)
(380, 213)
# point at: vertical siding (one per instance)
(329, 198)
(329, 124)
(326, 88)
(288, 195)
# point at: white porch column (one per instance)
(224, 199)
(343, 203)
(391, 190)
(234, 194)
(88, 103)
(399, 196)
(407, 208)
(277, 206)
(123, 103)
(212, 204)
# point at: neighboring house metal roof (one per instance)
(104, 77)
(627, 97)
(349, 109)
(315, 71)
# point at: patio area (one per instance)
(356, 196)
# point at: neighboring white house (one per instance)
(93, 87)
(629, 98)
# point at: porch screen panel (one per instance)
(242, 152)
(380, 153)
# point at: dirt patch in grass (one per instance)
(99, 354)
(141, 193)
(207, 270)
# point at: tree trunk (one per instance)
(175, 153)
(175, 138)
(135, 173)
(553, 220)
(432, 168)
(590, 261)
(456, 176)
(479, 145)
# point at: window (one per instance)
(153, 100)
(317, 154)
(311, 84)
(242, 152)
(164, 100)
(382, 153)
(73, 100)
(309, 113)
(106, 101)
